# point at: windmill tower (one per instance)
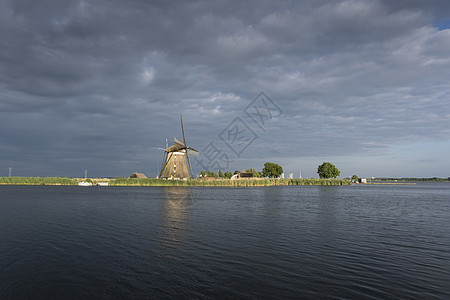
(176, 163)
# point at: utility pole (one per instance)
(10, 172)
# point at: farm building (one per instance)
(242, 175)
(137, 175)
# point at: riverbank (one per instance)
(388, 183)
(38, 181)
(163, 182)
(226, 182)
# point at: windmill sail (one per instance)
(176, 141)
(184, 140)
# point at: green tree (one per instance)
(236, 172)
(255, 173)
(220, 174)
(354, 177)
(272, 170)
(227, 175)
(203, 173)
(328, 170)
(211, 174)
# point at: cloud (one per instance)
(100, 83)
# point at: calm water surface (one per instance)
(345, 242)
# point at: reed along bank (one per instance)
(165, 182)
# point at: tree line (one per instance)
(270, 170)
(273, 170)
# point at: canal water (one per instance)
(345, 242)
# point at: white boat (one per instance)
(84, 183)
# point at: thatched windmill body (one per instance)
(176, 163)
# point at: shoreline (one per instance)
(64, 181)
(386, 183)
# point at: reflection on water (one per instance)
(175, 220)
(290, 242)
(179, 195)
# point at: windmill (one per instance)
(176, 161)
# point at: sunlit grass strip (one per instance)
(316, 181)
(163, 182)
(225, 182)
(38, 181)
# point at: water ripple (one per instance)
(276, 242)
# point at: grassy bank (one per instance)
(38, 181)
(225, 182)
(161, 182)
(411, 179)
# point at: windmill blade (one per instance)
(187, 152)
(163, 165)
(192, 149)
(158, 148)
(195, 153)
(176, 141)
(175, 148)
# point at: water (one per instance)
(345, 242)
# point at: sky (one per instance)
(100, 85)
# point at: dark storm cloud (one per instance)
(101, 84)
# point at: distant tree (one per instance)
(328, 170)
(236, 172)
(255, 173)
(220, 173)
(211, 174)
(272, 170)
(203, 173)
(354, 177)
(227, 175)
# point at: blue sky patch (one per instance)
(442, 24)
